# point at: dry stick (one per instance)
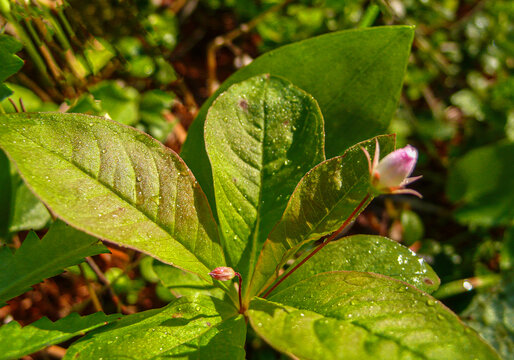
(32, 85)
(92, 292)
(116, 300)
(22, 105)
(223, 40)
(321, 246)
(13, 105)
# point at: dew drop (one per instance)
(431, 302)
(467, 285)
(139, 179)
(104, 151)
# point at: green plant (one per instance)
(263, 191)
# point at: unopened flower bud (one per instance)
(223, 273)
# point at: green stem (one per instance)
(320, 246)
(369, 16)
(464, 285)
(30, 48)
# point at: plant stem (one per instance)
(241, 310)
(92, 293)
(320, 246)
(115, 299)
(223, 40)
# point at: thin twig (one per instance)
(101, 276)
(22, 105)
(92, 293)
(321, 246)
(13, 105)
(224, 40)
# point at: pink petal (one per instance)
(394, 169)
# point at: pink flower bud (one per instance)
(223, 273)
(391, 174)
(393, 170)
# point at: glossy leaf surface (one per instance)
(17, 341)
(352, 315)
(368, 253)
(320, 204)
(116, 183)
(37, 260)
(182, 283)
(188, 328)
(262, 135)
(356, 77)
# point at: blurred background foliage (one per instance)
(149, 64)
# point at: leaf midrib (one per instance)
(256, 233)
(161, 226)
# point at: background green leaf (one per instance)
(352, 315)
(188, 328)
(355, 76)
(17, 341)
(320, 204)
(367, 253)
(10, 62)
(262, 135)
(115, 183)
(492, 315)
(121, 103)
(27, 211)
(37, 260)
(482, 182)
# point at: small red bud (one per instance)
(223, 273)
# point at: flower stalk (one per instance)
(320, 246)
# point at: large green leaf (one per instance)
(352, 315)
(355, 76)
(482, 182)
(116, 183)
(188, 328)
(17, 341)
(321, 202)
(37, 260)
(10, 62)
(262, 135)
(368, 253)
